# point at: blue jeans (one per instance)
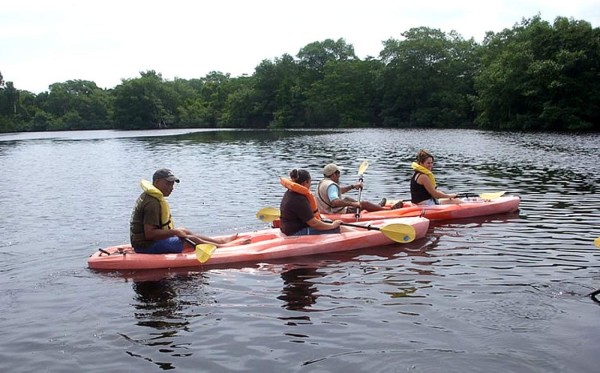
(311, 231)
(169, 245)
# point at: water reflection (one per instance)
(299, 293)
(162, 308)
(158, 301)
(252, 136)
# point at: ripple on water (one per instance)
(501, 293)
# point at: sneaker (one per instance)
(398, 205)
(382, 202)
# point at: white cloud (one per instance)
(43, 42)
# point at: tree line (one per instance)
(534, 76)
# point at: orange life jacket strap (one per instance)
(297, 188)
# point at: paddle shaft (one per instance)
(361, 226)
(489, 195)
(361, 170)
(401, 233)
(492, 195)
(357, 213)
(353, 225)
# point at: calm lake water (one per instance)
(505, 293)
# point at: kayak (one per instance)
(264, 245)
(468, 208)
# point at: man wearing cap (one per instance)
(329, 194)
(151, 228)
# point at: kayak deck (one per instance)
(264, 245)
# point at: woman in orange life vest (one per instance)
(299, 213)
(423, 188)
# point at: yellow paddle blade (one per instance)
(402, 233)
(597, 242)
(204, 252)
(268, 214)
(491, 195)
(363, 167)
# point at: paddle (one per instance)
(361, 170)
(597, 242)
(402, 233)
(488, 196)
(492, 195)
(203, 250)
(268, 214)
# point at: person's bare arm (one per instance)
(435, 193)
(323, 226)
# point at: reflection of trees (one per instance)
(298, 293)
(160, 306)
(246, 136)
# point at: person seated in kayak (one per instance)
(151, 227)
(299, 213)
(423, 188)
(330, 198)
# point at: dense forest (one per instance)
(535, 76)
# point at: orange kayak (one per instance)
(264, 245)
(469, 208)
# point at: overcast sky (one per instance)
(48, 41)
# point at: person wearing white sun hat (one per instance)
(330, 193)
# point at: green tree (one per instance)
(214, 93)
(78, 104)
(9, 100)
(313, 62)
(347, 95)
(538, 76)
(316, 55)
(428, 79)
(278, 93)
(242, 108)
(144, 103)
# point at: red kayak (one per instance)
(268, 244)
(468, 208)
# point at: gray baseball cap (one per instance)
(164, 173)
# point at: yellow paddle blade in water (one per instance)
(402, 233)
(363, 167)
(597, 242)
(204, 252)
(491, 195)
(268, 214)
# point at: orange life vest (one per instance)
(297, 188)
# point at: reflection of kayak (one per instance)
(469, 208)
(264, 245)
